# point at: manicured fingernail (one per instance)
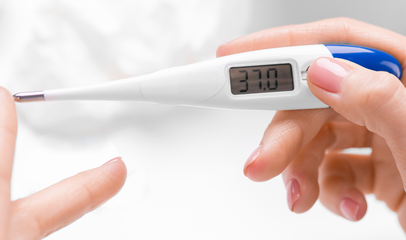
(328, 73)
(112, 160)
(252, 158)
(349, 209)
(293, 189)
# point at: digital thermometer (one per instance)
(270, 79)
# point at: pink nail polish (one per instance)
(349, 209)
(252, 158)
(328, 73)
(112, 160)
(293, 189)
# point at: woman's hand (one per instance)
(44, 212)
(368, 110)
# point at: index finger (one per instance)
(57, 206)
(328, 30)
(8, 132)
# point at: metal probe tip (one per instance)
(29, 96)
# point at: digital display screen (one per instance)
(261, 79)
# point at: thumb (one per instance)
(376, 100)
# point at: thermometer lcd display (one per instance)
(261, 79)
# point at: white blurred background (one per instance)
(185, 164)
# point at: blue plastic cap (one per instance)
(367, 57)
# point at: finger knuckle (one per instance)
(344, 20)
(283, 137)
(378, 92)
(340, 22)
(24, 221)
(344, 26)
(290, 128)
(87, 191)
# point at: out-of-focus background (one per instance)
(185, 178)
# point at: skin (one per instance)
(367, 111)
(44, 212)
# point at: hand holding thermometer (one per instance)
(270, 79)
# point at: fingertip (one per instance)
(5, 91)
(251, 170)
(353, 208)
(117, 172)
(328, 73)
(350, 204)
(251, 159)
(339, 190)
(263, 169)
(222, 50)
(293, 193)
(302, 193)
(8, 111)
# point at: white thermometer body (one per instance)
(271, 79)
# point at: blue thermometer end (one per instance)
(367, 57)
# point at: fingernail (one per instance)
(252, 158)
(328, 73)
(293, 189)
(112, 160)
(349, 209)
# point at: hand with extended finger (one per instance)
(52, 208)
